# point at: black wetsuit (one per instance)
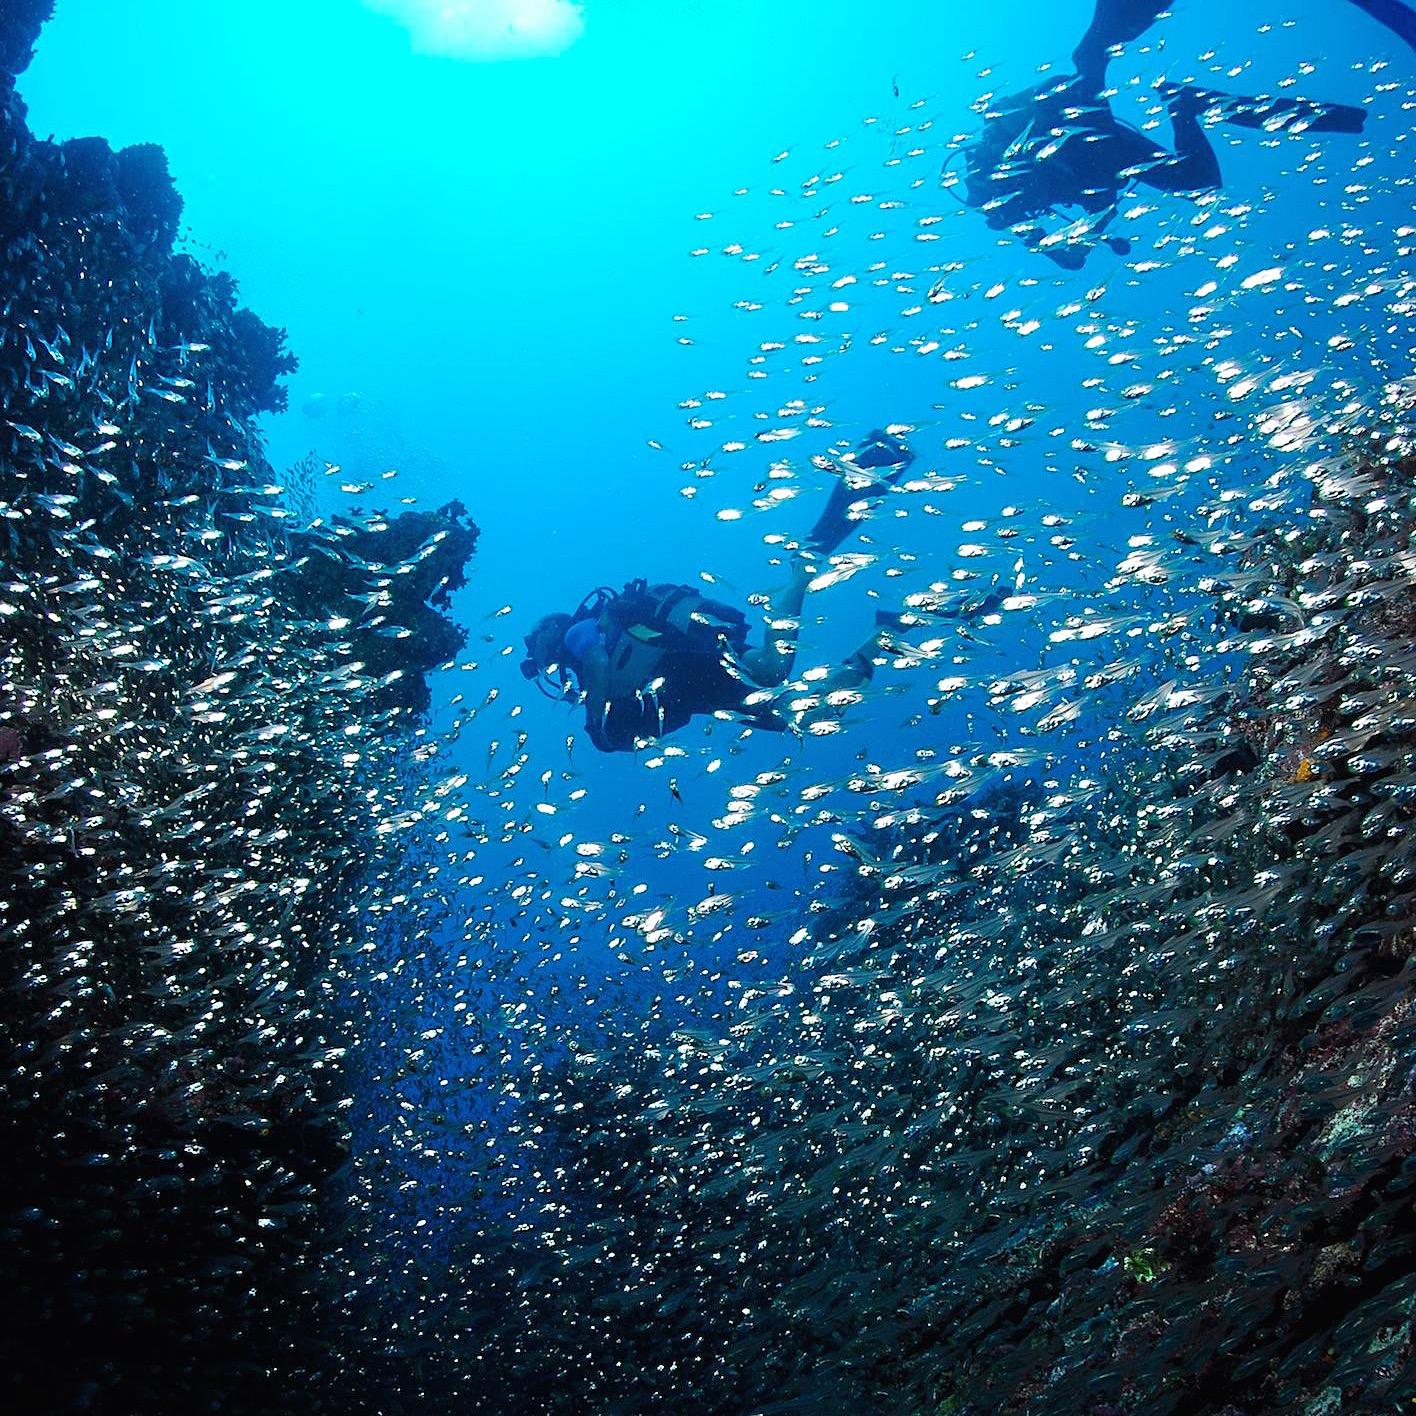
(1120, 21)
(1061, 145)
(1114, 22)
(669, 654)
(693, 684)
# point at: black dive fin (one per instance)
(1398, 18)
(1278, 115)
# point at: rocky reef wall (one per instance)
(195, 759)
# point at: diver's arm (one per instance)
(593, 674)
(1070, 255)
(1118, 245)
(1071, 252)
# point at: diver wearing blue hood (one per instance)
(647, 659)
(1060, 146)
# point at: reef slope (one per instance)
(194, 763)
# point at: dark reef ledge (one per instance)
(189, 747)
(20, 24)
(124, 208)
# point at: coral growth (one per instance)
(398, 634)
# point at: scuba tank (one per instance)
(644, 623)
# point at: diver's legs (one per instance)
(1194, 166)
(834, 524)
(1400, 19)
(772, 663)
(1115, 22)
(858, 669)
(821, 713)
(881, 453)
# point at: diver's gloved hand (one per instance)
(881, 449)
(1068, 257)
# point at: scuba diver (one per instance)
(1059, 145)
(646, 659)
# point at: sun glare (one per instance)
(488, 29)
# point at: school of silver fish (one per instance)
(899, 1067)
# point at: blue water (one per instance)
(489, 256)
(485, 269)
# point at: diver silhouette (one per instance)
(647, 659)
(1059, 145)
